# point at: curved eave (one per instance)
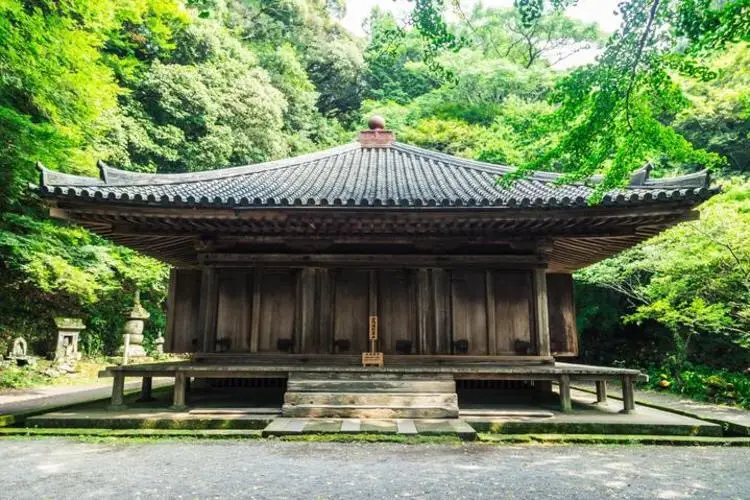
(460, 183)
(71, 193)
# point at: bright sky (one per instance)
(600, 11)
(603, 12)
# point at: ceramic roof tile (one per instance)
(394, 175)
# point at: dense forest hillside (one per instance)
(190, 85)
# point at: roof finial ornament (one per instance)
(376, 122)
(377, 136)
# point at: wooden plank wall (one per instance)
(351, 307)
(183, 333)
(315, 307)
(562, 315)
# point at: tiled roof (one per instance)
(395, 174)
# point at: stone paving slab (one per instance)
(40, 400)
(351, 425)
(403, 426)
(406, 426)
(734, 419)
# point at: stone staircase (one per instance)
(370, 395)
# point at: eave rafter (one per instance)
(571, 238)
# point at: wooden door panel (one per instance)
(562, 315)
(396, 309)
(351, 307)
(184, 307)
(469, 308)
(233, 315)
(277, 308)
(513, 311)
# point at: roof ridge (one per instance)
(492, 168)
(114, 177)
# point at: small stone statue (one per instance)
(19, 353)
(137, 317)
(19, 348)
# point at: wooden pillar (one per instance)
(169, 331)
(118, 391)
(628, 398)
(208, 308)
(146, 385)
(306, 338)
(423, 344)
(489, 282)
(178, 400)
(542, 313)
(255, 310)
(601, 391)
(565, 403)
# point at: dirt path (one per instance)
(272, 469)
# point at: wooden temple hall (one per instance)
(374, 266)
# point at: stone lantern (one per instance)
(134, 327)
(66, 348)
(159, 343)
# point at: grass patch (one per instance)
(26, 377)
(599, 439)
(371, 438)
(703, 383)
(594, 428)
(127, 435)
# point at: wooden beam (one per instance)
(371, 260)
(253, 213)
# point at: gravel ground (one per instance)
(60, 468)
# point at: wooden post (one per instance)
(601, 391)
(208, 308)
(178, 401)
(489, 283)
(542, 312)
(255, 313)
(628, 399)
(169, 332)
(118, 391)
(146, 385)
(565, 403)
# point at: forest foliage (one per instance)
(190, 85)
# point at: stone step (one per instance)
(404, 426)
(368, 411)
(372, 385)
(401, 399)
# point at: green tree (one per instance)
(718, 118)
(611, 114)
(693, 279)
(504, 34)
(395, 68)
